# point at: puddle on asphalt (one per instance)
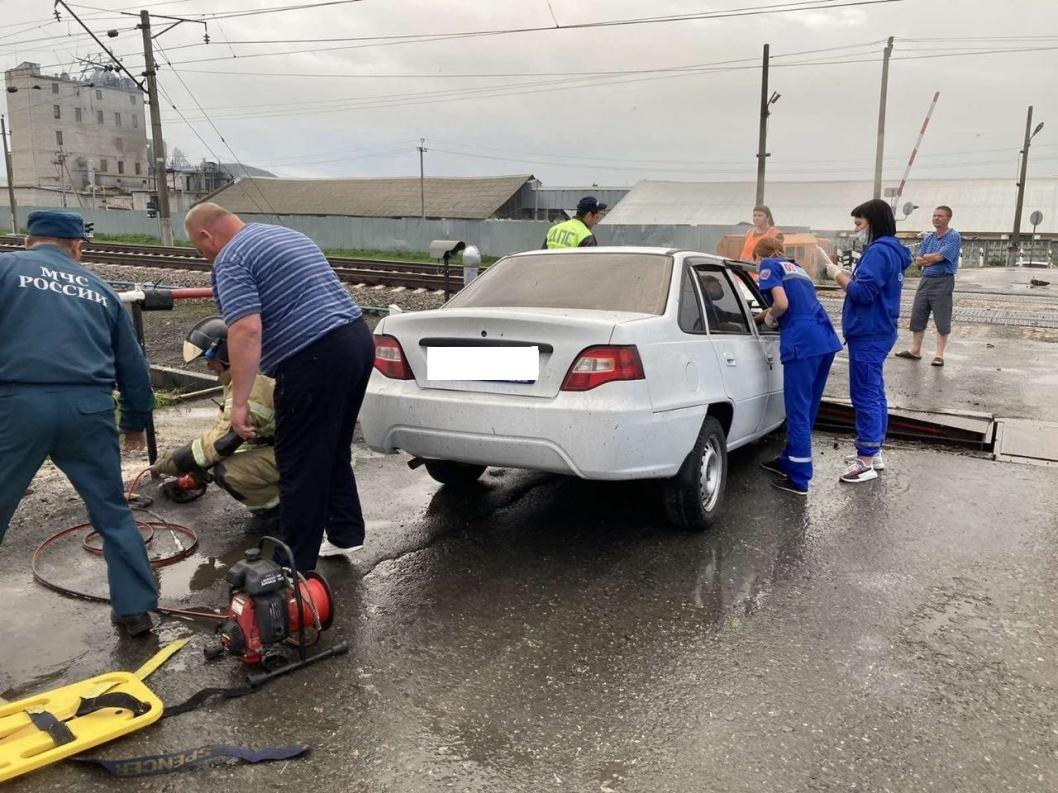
(197, 573)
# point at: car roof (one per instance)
(597, 250)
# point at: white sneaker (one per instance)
(858, 472)
(877, 462)
(328, 548)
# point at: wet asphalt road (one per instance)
(541, 633)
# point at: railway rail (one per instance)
(369, 272)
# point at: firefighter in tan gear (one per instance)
(246, 470)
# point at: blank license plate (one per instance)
(511, 364)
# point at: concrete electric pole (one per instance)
(879, 152)
(1015, 236)
(161, 185)
(10, 178)
(422, 177)
(151, 89)
(762, 142)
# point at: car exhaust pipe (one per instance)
(416, 462)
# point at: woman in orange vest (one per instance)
(763, 226)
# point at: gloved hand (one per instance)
(180, 461)
(832, 271)
(770, 321)
(183, 490)
(166, 466)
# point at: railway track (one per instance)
(367, 272)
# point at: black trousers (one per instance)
(317, 398)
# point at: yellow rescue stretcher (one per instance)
(44, 728)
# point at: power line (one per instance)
(745, 11)
(332, 104)
(396, 40)
(745, 168)
(507, 90)
(505, 75)
(219, 135)
(274, 10)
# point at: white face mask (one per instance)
(862, 236)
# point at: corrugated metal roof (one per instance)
(471, 198)
(567, 197)
(981, 205)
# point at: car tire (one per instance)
(694, 497)
(454, 474)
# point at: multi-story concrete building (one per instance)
(85, 135)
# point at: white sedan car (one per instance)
(603, 363)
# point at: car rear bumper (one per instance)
(608, 433)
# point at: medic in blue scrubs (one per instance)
(807, 346)
(868, 320)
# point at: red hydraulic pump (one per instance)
(270, 606)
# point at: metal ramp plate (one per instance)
(1026, 441)
(958, 427)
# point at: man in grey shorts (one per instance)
(938, 257)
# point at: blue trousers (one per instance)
(803, 382)
(867, 391)
(74, 425)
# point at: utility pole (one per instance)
(879, 152)
(158, 144)
(60, 162)
(762, 145)
(151, 89)
(10, 178)
(422, 177)
(1015, 241)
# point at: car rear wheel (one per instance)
(454, 474)
(694, 496)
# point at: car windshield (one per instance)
(637, 282)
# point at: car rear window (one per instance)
(637, 282)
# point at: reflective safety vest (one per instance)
(570, 234)
(752, 238)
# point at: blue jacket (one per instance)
(872, 297)
(60, 324)
(805, 329)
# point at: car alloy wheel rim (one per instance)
(710, 475)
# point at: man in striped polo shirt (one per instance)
(289, 317)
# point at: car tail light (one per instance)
(598, 365)
(390, 360)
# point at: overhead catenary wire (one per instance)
(741, 168)
(275, 215)
(401, 39)
(561, 84)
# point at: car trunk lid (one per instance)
(560, 335)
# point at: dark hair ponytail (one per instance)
(879, 216)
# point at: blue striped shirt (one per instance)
(949, 246)
(282, 275)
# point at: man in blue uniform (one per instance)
(65, 344)
(807, 346)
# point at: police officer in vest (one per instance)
(807, 346)
(576, 233)
(65, 344)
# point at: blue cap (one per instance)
(60, 225)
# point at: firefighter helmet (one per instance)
(208, 337)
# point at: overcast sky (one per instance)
(581, 106)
